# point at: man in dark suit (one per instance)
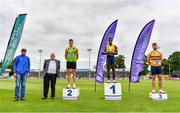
(51, 70)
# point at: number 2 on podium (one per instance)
(113, 89)
(69, 92)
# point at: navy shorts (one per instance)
(110, 60)
(155, 70)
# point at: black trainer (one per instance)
(44, 98)
(22, 99)
(16, 99)
(52, 98)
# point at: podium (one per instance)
(158, 96)
(70, 94)
(112, 91)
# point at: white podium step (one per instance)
(158, 96)
(112, 91)
(70, 94)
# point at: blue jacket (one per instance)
(21, 65)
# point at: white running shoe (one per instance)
(114, 81)
(69, 86)
(153, 91)
(161, 91)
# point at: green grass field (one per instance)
(135, 101)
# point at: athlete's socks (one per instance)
(74, 86)
(153, 91)
(69, 86)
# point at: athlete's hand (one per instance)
(108, 53)
(14, 75)
(111, 53)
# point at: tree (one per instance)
(145, 70)
(120, 61)
(174, 60)
(0, 63)
(9, 67)
(165, 65)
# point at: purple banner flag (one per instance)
(101, 57)
(137, 62)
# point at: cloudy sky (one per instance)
(50, 23)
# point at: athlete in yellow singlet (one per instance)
(110, 51)
(154, 59)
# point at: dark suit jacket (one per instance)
(46, 66)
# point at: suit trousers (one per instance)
(49, 78)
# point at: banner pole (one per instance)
(129, 86)
(95, 85)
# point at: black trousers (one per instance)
(49, 78)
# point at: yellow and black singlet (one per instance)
(155, 58)
(110, 48)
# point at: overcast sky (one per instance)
(50, 23)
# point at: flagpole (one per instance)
(95, 85)
(129, 86)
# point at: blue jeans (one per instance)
(20, 81)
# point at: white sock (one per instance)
(69, 85)
(74, 85)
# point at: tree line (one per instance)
(170, 64)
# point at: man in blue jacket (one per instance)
(21, 69)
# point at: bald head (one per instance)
(53, 56)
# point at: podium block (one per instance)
(158, 96)
(112, 91)
(70, 94)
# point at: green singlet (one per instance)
(71, 54)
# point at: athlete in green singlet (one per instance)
(71, 56)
